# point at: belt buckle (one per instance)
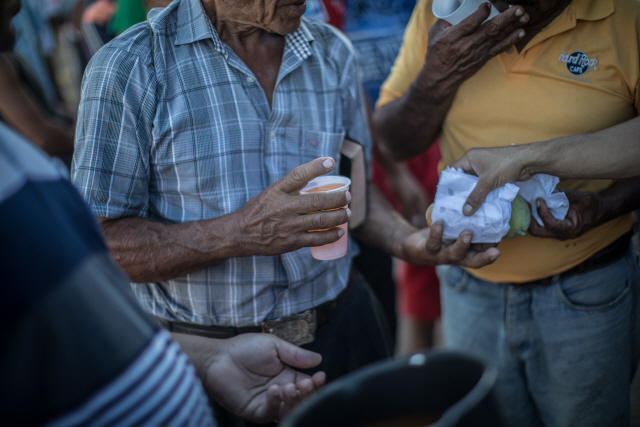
(298, 329)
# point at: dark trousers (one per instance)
(356, 335)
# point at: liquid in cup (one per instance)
(338, 248)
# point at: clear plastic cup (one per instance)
(325, 183)
(454, 11)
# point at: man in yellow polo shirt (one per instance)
(558, 311)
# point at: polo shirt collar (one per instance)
(193, 25)
(592, 10)
(586, 10)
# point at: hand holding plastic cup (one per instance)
(325, 183)
(455, 11)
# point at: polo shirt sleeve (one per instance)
(411, 57)
(114, 131)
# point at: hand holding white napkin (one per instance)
(490, 223)
(541, 186)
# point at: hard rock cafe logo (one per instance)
(578, 63)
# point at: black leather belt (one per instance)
(602, 258)
(298, 328)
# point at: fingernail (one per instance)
(340, 232)
(466, 239)
(348, 213)
(524, 19)
(466, 209)
(519, 12)
(348, 194)
(521, 34)
(328, 163)
(493, 257)
(538, 203)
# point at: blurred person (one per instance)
(23, 105)
(35, 44)
(557, 313)
(131, 12)
(76, 347)
(199, 129)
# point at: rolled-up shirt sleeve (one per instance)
(114, 132)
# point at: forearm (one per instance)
(384, 227)
(610, 153)
(409, 125)
(151, 251)
(621, 198)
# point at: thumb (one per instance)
(300, 176)
(477, 197)
(295, 356)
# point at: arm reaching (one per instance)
(610, 153)
(253, 375)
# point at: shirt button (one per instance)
(273, 134)
(285, 294)
(250, 79)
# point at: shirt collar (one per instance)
(193, 25)
(299, 41)
(592, 10)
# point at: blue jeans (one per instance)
(566, 353)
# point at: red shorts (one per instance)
(418, 292)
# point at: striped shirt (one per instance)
(76, 349)
(174, 127)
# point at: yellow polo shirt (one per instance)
(580, 74)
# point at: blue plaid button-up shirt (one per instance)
(174, 127)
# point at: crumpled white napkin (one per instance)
(491, 222)
(541, 186)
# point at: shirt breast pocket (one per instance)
(316, 144)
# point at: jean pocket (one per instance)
(599, 289)
(453, 277)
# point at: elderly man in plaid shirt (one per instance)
(197, 130)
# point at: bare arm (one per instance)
(253, 375)
(610, 153)
(22, 112)
(274, 222)
(408, 125)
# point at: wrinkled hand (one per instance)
(277, 220)
(425, 247)
(455, 53)
(253, 377)
(412, 198)
(494, 167)
(586, 209)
